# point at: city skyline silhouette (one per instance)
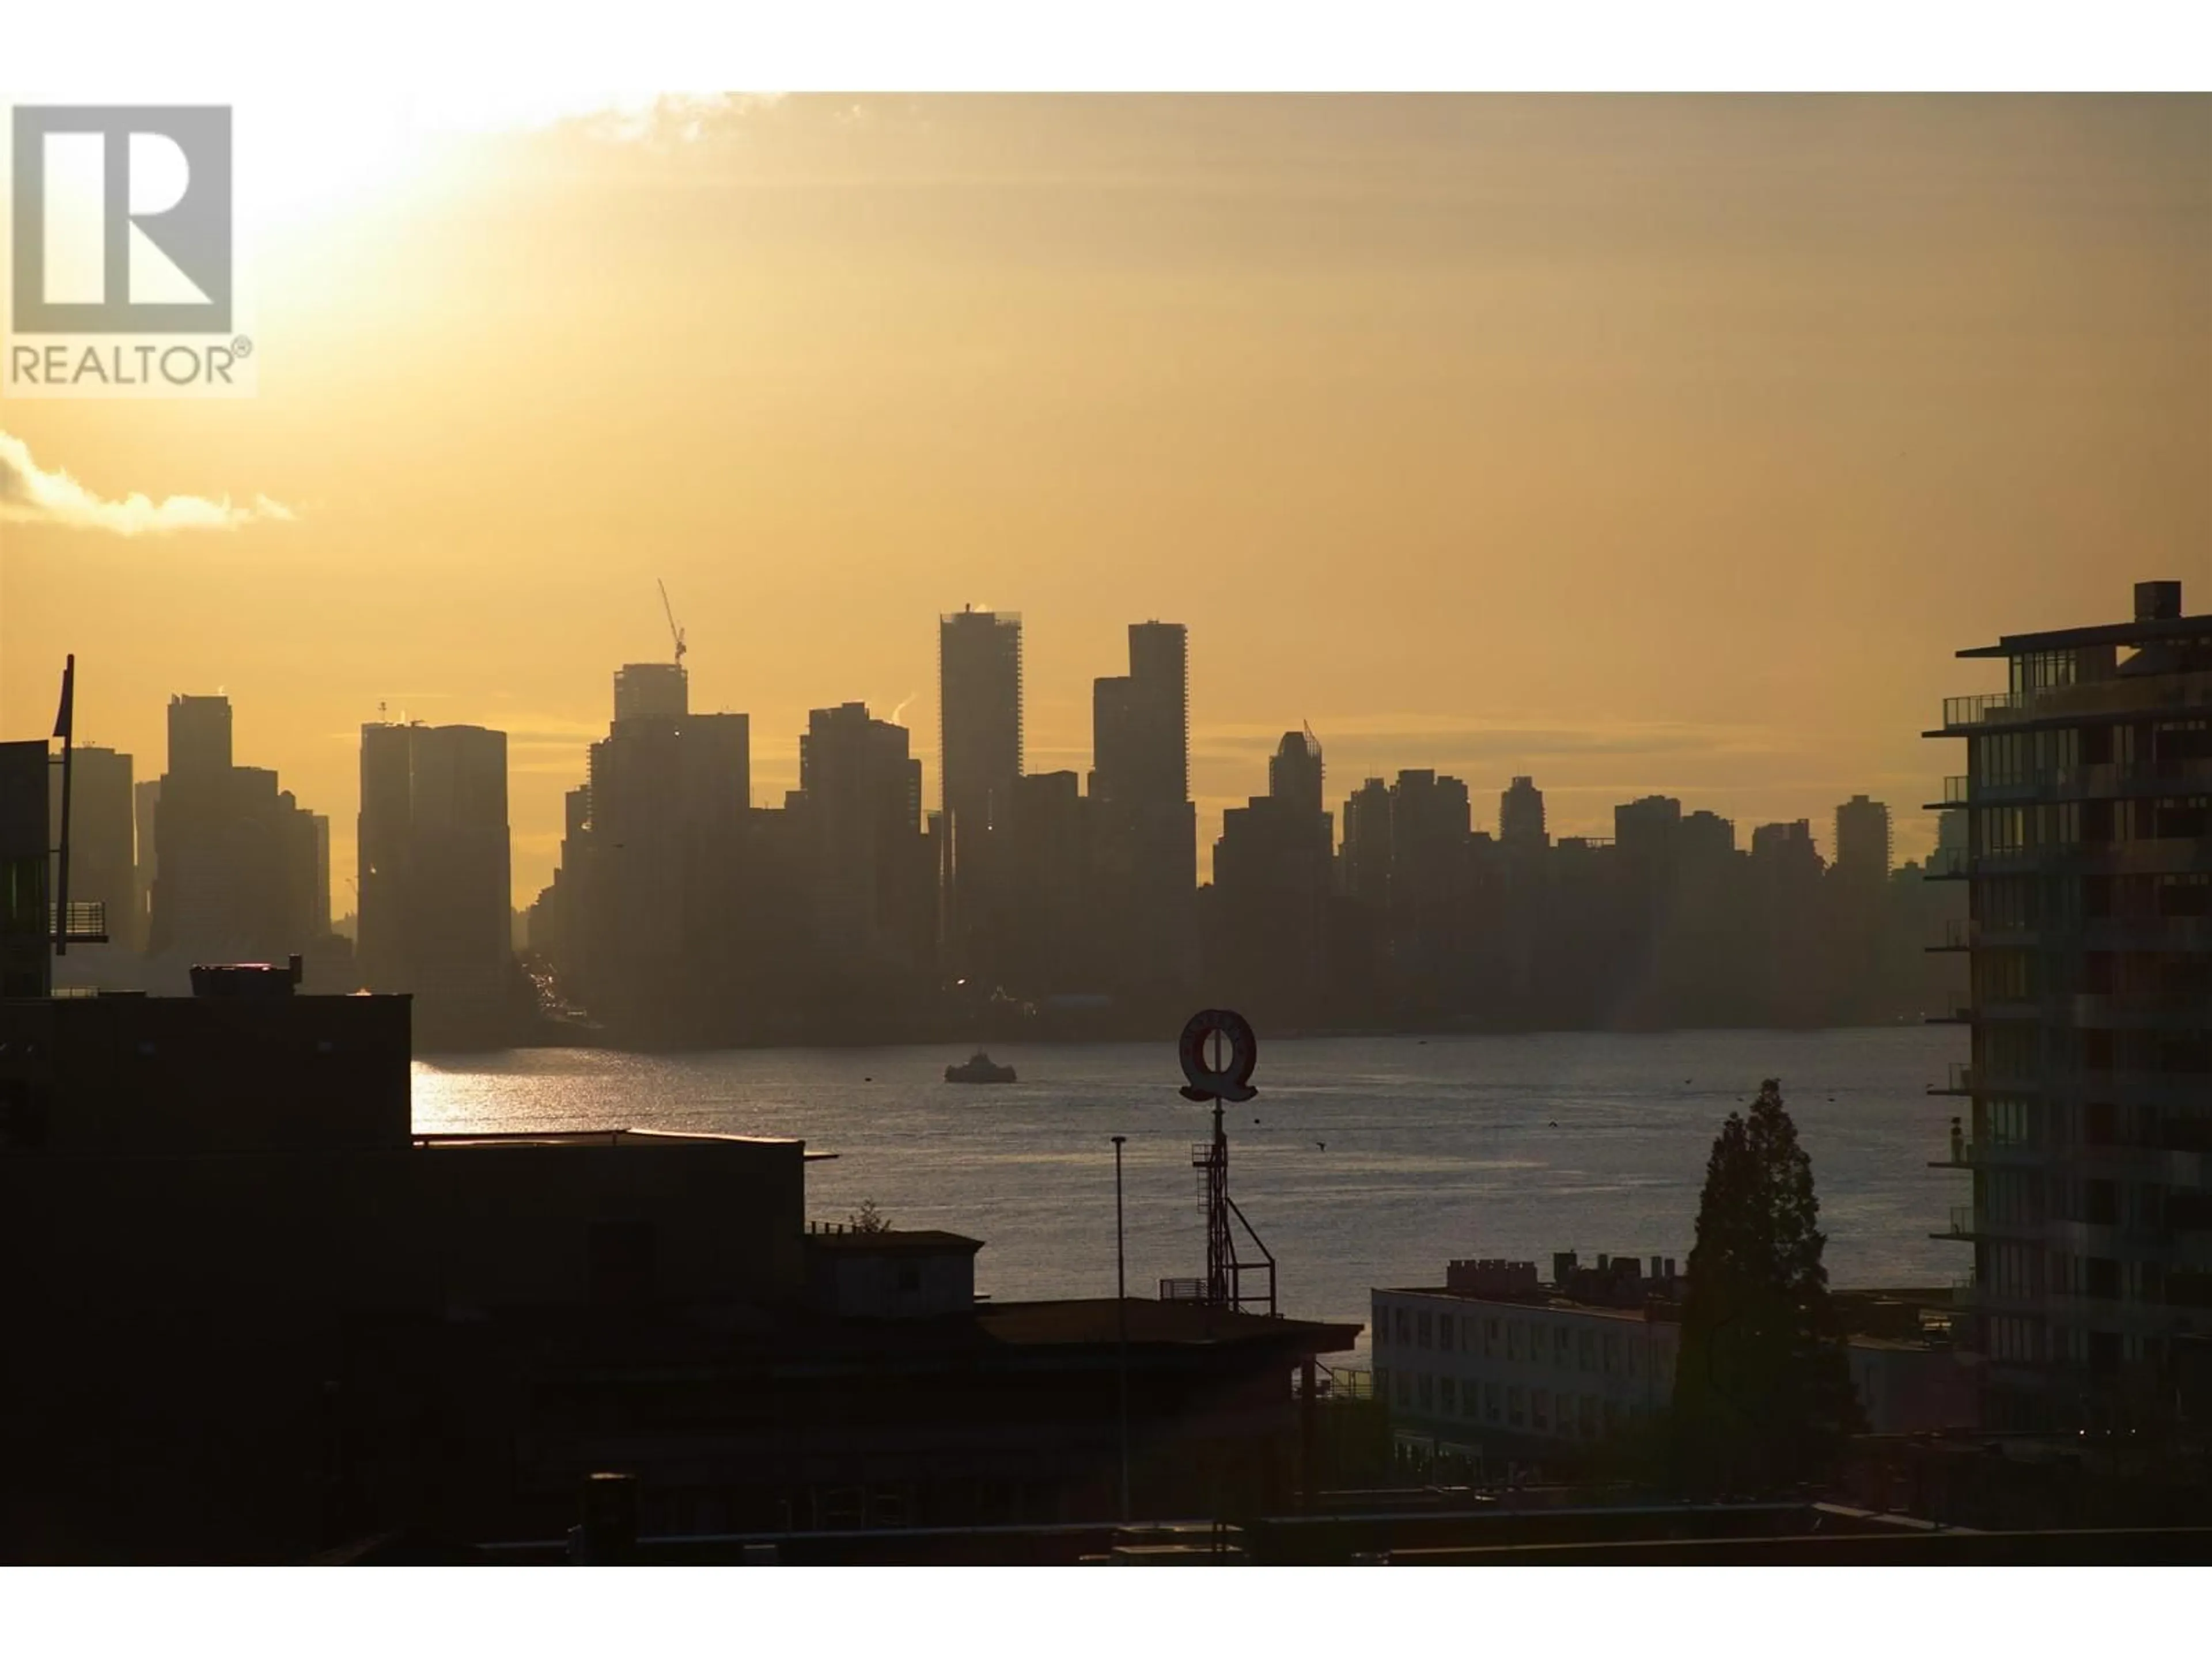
(1645, 446)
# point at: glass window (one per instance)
(1490, 1410)
(1586, 1349)
(1428, 1391)
(1562, 1347)
(1421, 1327)
(1539, 1408)
(1447, 1397)
(1513, 1339)
(1516, 1414)
(1611, 1351)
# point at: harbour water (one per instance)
(1365, 1161)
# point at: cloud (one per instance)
(29, 494)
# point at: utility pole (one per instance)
(66, 729)
(1122, 1323)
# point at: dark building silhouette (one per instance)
(434, 876)
(652, 690)
(1862, 844)
(1521, 817)
(1267, 946)
(103, 839)
(1052, 946)
(1143, 829)
(1140, 720)
(25, 875)
(652, 862)
(146, 805)
(874, 910)
(241, 869)
(2088, 1090)
(979, 757)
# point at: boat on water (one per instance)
(979, 1067)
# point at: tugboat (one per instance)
(980, 1067)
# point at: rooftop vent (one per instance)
(2158, 602)
(245, 979)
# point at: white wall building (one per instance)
(1499, 1363)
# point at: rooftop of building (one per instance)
(888, 1241)
(1097, 1321)
(619, 1137)
(2158, 618)
(1544, 1297)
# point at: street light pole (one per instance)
(1121, 1325)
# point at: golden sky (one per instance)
(1642, 444)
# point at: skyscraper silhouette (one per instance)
(1863, 843)
(434, 872)
(101, 838)
(1144, 829)
(862, 792)
(1520, 816)
(979, 755)
(238, 877)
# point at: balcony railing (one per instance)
(87, 922)
(1961, 1223)
(1958, 1154)
(1958, 1079)
(1946, 864)
(1981, 710)
(1958, 790)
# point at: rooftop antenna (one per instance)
(66, 729)
(676, 633)
(1218, 1052)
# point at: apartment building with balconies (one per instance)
(2088, 852)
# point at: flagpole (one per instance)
(65, 728)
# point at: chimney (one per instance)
(2158, 601)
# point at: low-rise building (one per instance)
(1497, 1363)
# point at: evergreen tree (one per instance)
(1762, 1386)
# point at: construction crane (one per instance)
(676, 633)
